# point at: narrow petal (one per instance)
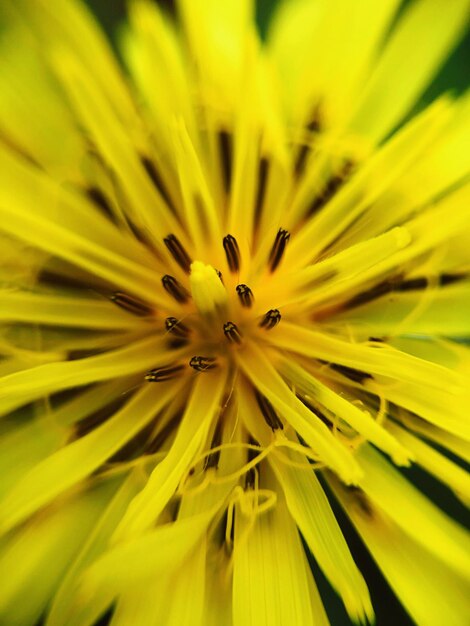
(38, 554)
(157, 552)
(267, 380)
(270, 580)
(413, 512)
(38, 308)
(375, 176)
(418, 46)
(146, 204)
(203, 406)
(65, 609)
(382, 360)
(79, 459)
(434, 312)
(309, 507)
(362, 421)
(435, 463)
(430, 591)
(43, 379)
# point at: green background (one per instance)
(453, 76)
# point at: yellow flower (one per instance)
(232, 280)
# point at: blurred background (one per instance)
(454, 76)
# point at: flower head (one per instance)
(233, 274)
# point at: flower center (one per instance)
(211, 315)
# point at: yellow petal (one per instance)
(309, 507)
(66, 609)
(79, 459)
(419, 44)
(38, 308)
(362, 421)
(435, 463)
(266, 379)
(135, 358)
(413, 512)
(430, 591)
(270, 578)
(37, 555)
(202, 408)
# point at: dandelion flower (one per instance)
(234, 276)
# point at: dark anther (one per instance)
(377, 291)
(175, 289)
(232, 252)
(176, 328)
(332, 186)
(362, 500)
(232, 333)
(178, 252)
(263, 172)
(225, 148)
(203, 363)
(313, 127)
(316, 411)
(413, 284)
(450, 279)
(212, 459)
(245, 294)
(156, 179)
(131, 304)
(219, 274)
(271, 319)
(162, 374)
(269, 414)
(99, 198)
(278, 248)
(162, 435)
(353, 374)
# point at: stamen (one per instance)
(330, 189)
(375, 292)
(450, 279)
(154, 175)
(269, 414)
(361, 500)
(131, 304)
(232, 252)
(99, 198)
(271, 319)
(246, 295)
(162, 374)
(203, 363)
(175, 288)
(219, 274)
(160, 438)
(413, 284)
(314, 128)
(316, 411)
(176, 328)
(278, 248)
(353, 374)
(178, 252)
(232, 333)
(263, 172)
(225, 149)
